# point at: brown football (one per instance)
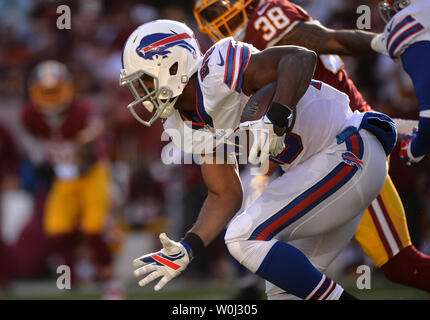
(259, 103)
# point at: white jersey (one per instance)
(322, 113)
(220, 100)
(409, 25)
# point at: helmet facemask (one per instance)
(388, 8)
(219, 18)
(146, 91)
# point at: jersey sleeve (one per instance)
(271, 21)
(407, 27)
(236, 60)
(218, 98)
(223, 74)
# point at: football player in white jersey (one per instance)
(339, 154)
(406, 39)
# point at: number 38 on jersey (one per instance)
(274, 19)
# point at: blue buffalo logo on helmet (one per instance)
(157, 44)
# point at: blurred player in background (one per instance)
(406, 39)
(68, 130)
(383, 232)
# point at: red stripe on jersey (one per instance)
(240, 64)
(327, 290)
(391, 37)
(190, 121)
(197, 107)
(305, 203)
(319, 287)
(226, 62)
(355, 145)
(234, 66)
(407, 37)
(331, 290)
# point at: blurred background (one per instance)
(130, 195)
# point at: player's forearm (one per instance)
(86, 157)
(351, 42)
(295, 72)
(322, 40)
(223, 201)
(216, 212)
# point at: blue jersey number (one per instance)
(293, 147)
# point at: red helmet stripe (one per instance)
(166, 41)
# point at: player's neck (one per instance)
(187, 100)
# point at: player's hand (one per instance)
(405, 149)
(167, 263)
(378, 44)
(265, 140)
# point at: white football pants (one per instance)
(316, 206)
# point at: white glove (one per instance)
(405, 126)
(265, 140)
(405, 149)
(167, 263)
(378, 44)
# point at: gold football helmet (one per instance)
(51, 88)
(221, 18)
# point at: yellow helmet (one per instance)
(51, 88)
(221, 18)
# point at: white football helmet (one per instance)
(158, 59)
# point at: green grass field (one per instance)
(381, 290)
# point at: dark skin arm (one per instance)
(323, 40)
(223, 201)
(292, 68)
(86, 152)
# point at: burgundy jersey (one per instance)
(58, 134)
(273, 19)
(77, 117)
